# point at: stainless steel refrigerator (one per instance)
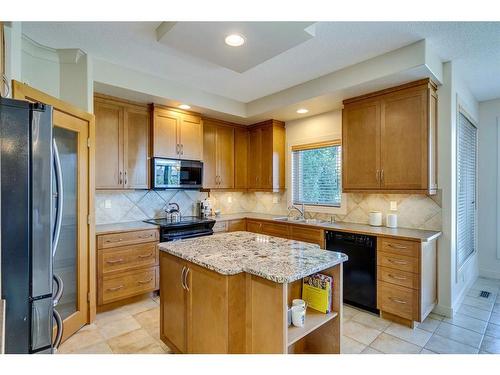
(31, 207)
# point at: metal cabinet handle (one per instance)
(120, 179)
(398, 301)
(145, 281)
(397, 277)
(115, 288)
(395, 246)
(395, 261)
(115, 261)
(146, 236)
(177, 149)
(185, 278)
(182, 277)
(382, 175)
(111, 241)
(126, 179)
(182, 149)
(377, 175)
(144, 256)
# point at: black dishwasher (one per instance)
(360, 271)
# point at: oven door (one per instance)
(176, 174)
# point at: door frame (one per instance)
(24, 92)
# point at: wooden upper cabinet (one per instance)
(266, 157)
(109, 145)
(361, 145)
(136, 148)
(165, 139)
(209, 155)
(225, 156)
(176, 134)
(122, 143)
(240, 158)
(190, 137)
(389, 140)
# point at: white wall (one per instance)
(488, 189)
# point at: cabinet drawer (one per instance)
(275, 229)
(304, 234)
(125, 258)
(397, 300)
(254, 226)
(220, 226)
(398, 262)
(400, 247)
(402, 278)
(105, 241)
(127, 284)
(236, 225)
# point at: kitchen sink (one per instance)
(299, 220)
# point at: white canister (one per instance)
(392, 220)
(375, 219)
(298, 316)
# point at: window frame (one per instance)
(314, 144)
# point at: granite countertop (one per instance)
(276, 259)
(2, 325)
(129, 226)
(398, 233)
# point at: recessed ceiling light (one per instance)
(302, 110)
(234, 40)
(184, 106)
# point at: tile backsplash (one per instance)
(414, 211)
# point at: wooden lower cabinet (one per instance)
(406, 279)
(237, 225)
(199, 310)
(127, 265)
(292, 231)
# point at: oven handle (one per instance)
(182, 237)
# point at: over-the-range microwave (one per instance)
(176, 174)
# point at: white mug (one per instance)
(299, 302)
(298, 316)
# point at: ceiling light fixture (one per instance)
(302, 110)
(184, 106)
(234, 40)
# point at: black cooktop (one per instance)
(185, 221)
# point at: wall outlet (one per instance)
(394, 205)
(107, 203)
(276, 199)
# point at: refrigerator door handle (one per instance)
(59, 323)
(60, 289)
(58, 176)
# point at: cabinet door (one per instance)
(136, 149)
(207, 311)
(361, 145)
(209, 156)
(173, 308)
(404, 141)
(225, 157)
(254, 158)
(254, 226)
(191, 137)
(109, 146)
(266, 169)
(240, 158)
(165, 138)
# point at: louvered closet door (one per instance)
(466, 189)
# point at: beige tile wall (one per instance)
(414, 211)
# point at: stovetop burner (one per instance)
(185, 221)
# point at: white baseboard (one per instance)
(489, 274)
(446, 311)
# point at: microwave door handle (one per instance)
(59, 183)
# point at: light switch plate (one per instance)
(107, 203)
(394, 205)
(229, 199)
(276, 199)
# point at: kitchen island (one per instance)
(229, 293)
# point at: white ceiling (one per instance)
(474, 48)
(263, 41)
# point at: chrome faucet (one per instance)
(172, 210)
(300, 211)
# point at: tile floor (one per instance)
(475, 328)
